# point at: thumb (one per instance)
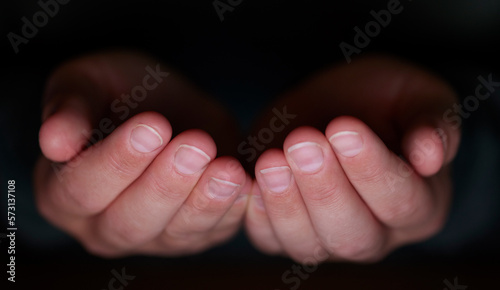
(414, 101)
(75, 99)
(63, 134)
(429, 144)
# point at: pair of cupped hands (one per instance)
(130, 161)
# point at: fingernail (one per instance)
(190, 159)
(347, 143)
(277, 179)
(223, 189)
(145, 139)
(308, 156)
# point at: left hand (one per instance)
(347, 194)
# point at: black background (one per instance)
(261, 49)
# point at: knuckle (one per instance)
(119, 166)
(323, 192)
(373, 174)
(284, 209)
(163, 190)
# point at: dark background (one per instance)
(261, 49)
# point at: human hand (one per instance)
(136, 191)
(346, 194)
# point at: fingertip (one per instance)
(425, 149)
(341, 124)
(157, 123)
(62, 135)
(199, 140)
(271, 157)
(229, 168)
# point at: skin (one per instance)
(359, 207)
(117, 200)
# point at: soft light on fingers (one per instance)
(342, 221)
(90, 182)
(397, 195)
(258, 225)
(143, 210)
(62, 135)
(285, 207)
(425, 148)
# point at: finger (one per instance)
(62, 136)
(75, 99)
(441, 185)
(145, 208)
(420, 117)
(395, 194)
(228, 225)
(209, 201)
(344, 224)
(429, 145)
(233, 219)
(90, 182)
(284, 206)
(258, 226)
